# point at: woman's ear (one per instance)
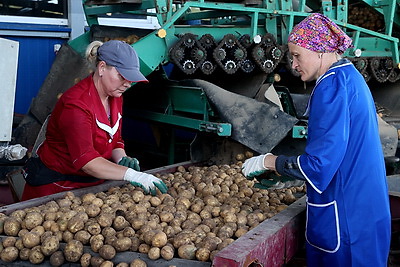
(101, 66)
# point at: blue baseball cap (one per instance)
(123, 57)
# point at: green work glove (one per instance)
(149, 183)
(130, 163)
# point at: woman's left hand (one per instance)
(130, 163)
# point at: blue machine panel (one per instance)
(36, 55)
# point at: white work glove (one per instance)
(145, 181)
(254, 166)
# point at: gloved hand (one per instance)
(254, 166)
(130, 163)
(275, 181)
(145, 181)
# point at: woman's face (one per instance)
(306, 62)
(114, 84)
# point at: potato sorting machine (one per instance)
(273, 242)
(220, 75)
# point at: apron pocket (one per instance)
(322, 226)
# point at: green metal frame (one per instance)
(276, 17)
(187, 107)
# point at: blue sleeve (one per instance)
(328, 132)
(288, 165)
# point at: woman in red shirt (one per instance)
(83, 145)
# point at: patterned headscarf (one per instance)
(319, 34)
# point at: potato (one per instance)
(166, 216)
(9, 254)
(24, 254)
(120, 223)
(82, 236)
(93, 228)
(96, 242)
(240, 157)
(62, 224)
(73, 251)
(33, 219)
(240, 231)
(18, 244)
(9, 241)
(110, 240)
(85, 260)
(105, 219)
(122, 264)
(144, 248)
(248, 154)
(36, 256)
(67, 236)
(167, 252)
(50, 245)
(138, 263)
(31, 239)
(12, 226)
(22, 232)
(155, 201)
(92, 210)
(57, 259)
(182, 239)
(135, 243)
(88, 198)
(128, 232)
(108, 231)
(18, 214)
(77, 222)
(39, 230)
(2, 219)
(107, 264)
(45, 235)
(107, 252)
(159, 239)
(210, 243)
(203, 254)
(187, 252)
(96, 261)
(122, 244)
(154, 253)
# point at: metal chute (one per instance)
(258, 125)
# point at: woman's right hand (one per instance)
(146, 181)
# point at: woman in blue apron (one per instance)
(348, 214)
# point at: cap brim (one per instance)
(132, 75)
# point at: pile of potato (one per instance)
(366, 17)
(205, 210)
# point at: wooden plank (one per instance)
(272, 243)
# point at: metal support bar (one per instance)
(222, 129)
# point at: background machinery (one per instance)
(211, 66)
